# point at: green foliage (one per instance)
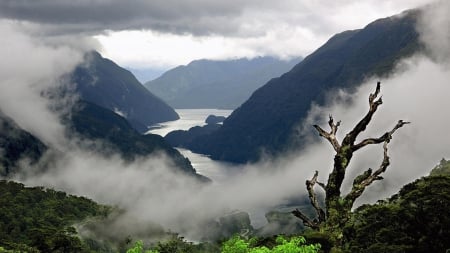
(414, 220)
(37, 219)
(443, 168)
(16, 144)
(175, 244)
(139, 248)
(292, 245)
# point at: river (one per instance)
(188, 118)
(216, 170)
(219, 172)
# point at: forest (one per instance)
(413, 220)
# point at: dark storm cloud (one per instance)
(198, 17)
(193, 16)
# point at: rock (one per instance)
(213, 119)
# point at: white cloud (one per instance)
(148, 188)
(29, 67)
(145, 34)
(282, 28)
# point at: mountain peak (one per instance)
(216, 83)
(267, 120)
(104, 83)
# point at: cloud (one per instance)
(195, 16)
(415, 92)
(29, 67)
(415, 148)
(151, 191)
(434, 29)
(165, 34)
(283, 29)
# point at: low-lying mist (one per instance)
(152, 193)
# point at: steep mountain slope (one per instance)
(41, 220)
(92, 123)
(216, 84)
(95, 123)
(16, 144)
(414, 220)
(104, 83)
(265, 122)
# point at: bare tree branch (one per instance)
(383, 138)
(344, 153)
(313, 198)
(362, 124)
(306, 221)
(369, 141)
(330, 136)
(338, 208)
(367, 178)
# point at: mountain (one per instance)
(93, 123)
(104, 83)
(16, 144)
(35, 219)
(144, 75)
(443, 168)
(266, 122)
(413, 220)
(216, 84)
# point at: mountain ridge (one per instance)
(266, 122)
(102, 82)
(221, 84)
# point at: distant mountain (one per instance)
(265, 123)
(15, 145)
(144, 75)
(104, 83)
(216, 84)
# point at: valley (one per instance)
(267, 127)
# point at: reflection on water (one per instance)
(188, 118)
(215, 170)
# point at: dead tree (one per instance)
(337, 209)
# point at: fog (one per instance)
(151, 191)
(28, 68)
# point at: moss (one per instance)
(343, 154)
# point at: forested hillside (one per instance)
(94, 123)
(413, 220)
(102, 82)
(41, 220)
(17, 145)
(266, 122)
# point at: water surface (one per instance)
(188, 118)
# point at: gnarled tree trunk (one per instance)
(338, 208)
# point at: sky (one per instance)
(161, 34)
